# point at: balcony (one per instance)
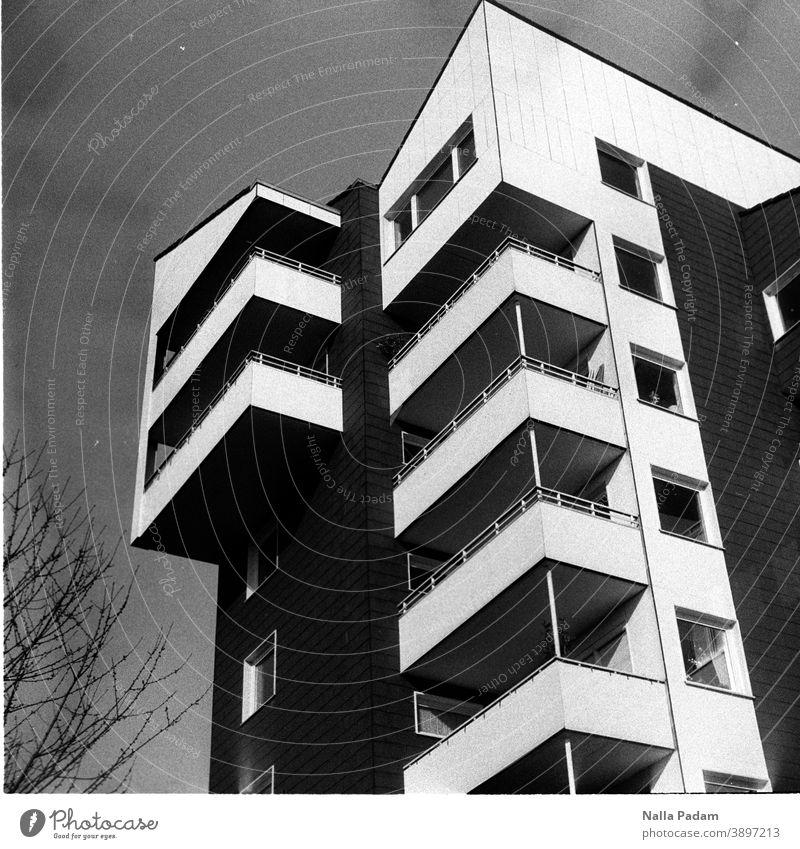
(269, 291)
(488, 603)
(225, 466)
(568, 727)
(489, 440)
(514, 268)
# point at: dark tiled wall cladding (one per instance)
(745, 413)
(341, 721)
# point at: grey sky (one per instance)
(70, 69)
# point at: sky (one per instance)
(109, 106)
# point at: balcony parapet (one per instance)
(522, 364)
(509, 243)
(256, 253)
(522, 686)
(536, 495)
(252, 357)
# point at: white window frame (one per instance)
(410, 197)
(253, 555)
(776, 323)
(644, 192)
(250, 675)
(705, 506)
(733, 653)
(436, 702)
(257, 785)
(663, 282)
(675, 366)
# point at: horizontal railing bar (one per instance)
(518, 365)
(526, 680)
(255, 252)
(252, 357)
(533, 496)
(508, 242)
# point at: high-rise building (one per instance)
(499, 458)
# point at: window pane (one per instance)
(435, 188)
(264, 680)
(637, 273)
(402, 225)
(466, 153)
(618, 173)
(679, 509)
(657, 384)
(704, 654)
(789, 303)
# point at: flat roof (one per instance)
(268, 192)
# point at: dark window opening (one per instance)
(435, 188)
(657, 384)
(403, 224)
(466, 153)
(679, 509)
(638, 273)
(618, 173)
(788, 299)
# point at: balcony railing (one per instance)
(252, 357)
(538, 494)
(262, 254)
(509, 242)
(521, 364)
(482, 713)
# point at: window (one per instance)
(782, 300)
(437, 717)
(262, 561)
(679, 508)
(637, 272)
(619, 169)
(441, 174)
(258, 682)
(705, 654)
(656, 381)
(265, 783)
(717, 782)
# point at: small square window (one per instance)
(657, 384)
(638, 273)
(679, 509)
(437, 717)
(258, 678)
(705, 652)
(617, 171)
(265, 783)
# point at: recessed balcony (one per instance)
(487, 605)
(234, 462)
(281, 305)
(568, 727)
(563, 311)
(486, 450)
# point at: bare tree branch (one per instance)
(78, 707)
